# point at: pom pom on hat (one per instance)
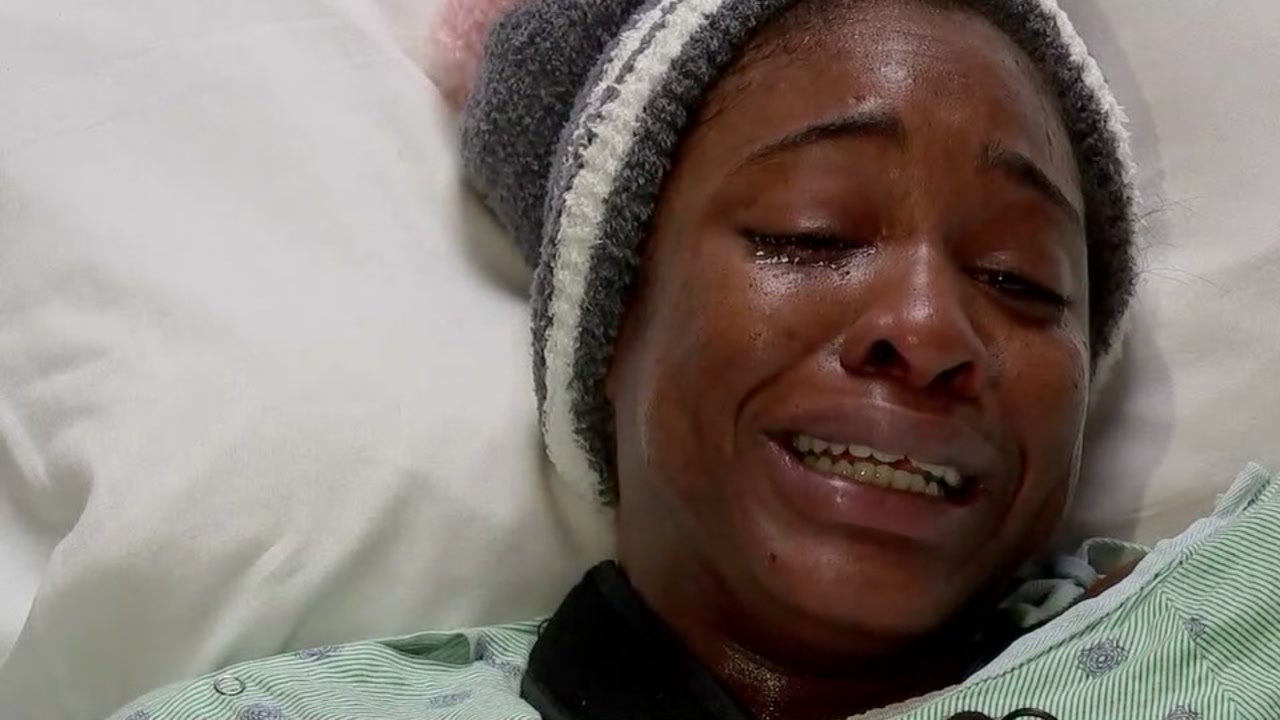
(456, 44)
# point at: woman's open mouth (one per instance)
(887, 470)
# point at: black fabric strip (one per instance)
(604, 655)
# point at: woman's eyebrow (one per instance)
(876, 123)
(1023, 170)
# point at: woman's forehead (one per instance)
(932, 71)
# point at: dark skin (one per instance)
(874, 235)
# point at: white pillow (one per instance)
(264, 368)
(1195, 396)
(257, 393)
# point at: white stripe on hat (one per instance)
(627, 44)
(583, 214)
(1097, 82)
(1117, 126)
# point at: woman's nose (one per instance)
(914, 326)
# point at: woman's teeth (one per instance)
(872, 467)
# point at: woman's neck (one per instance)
(831, 675)
(795, 684)
(772, 692)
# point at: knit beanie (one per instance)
(577, 113)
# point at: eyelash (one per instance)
(1022, 288)
(821, 249)
(815, 248)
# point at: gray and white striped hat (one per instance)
(572, 127)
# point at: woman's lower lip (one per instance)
(840, 502)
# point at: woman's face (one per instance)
(849, 394)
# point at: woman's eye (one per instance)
(1023, 289)
(803, 248)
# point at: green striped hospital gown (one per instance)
(1192, 634)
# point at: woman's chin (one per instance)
(841, 601)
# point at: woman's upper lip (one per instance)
(924, 437)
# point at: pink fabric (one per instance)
(461, 28)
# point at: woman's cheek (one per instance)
(1055, 381)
